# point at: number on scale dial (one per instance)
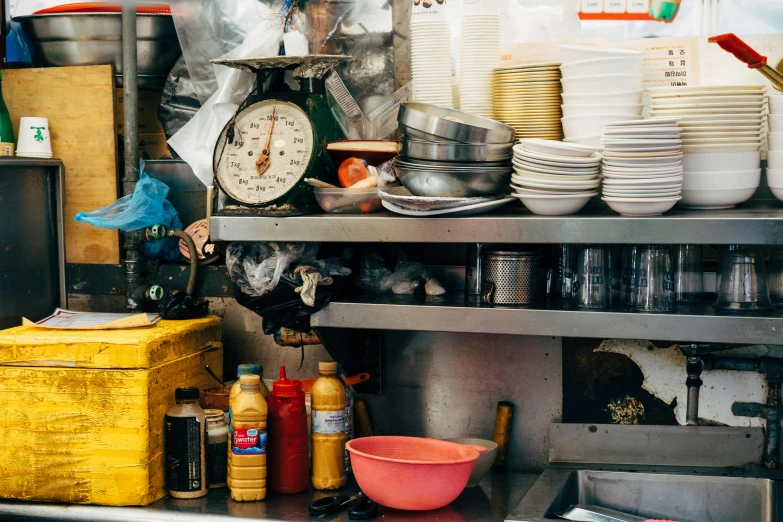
(269, 155)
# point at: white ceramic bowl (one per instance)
(575, 53)
(716, 199)
(738, 180)
(555, 177)
(611, 65)
(660, 194)
(600, 83)
(578, 110)
(719, 162)
(776, 103)
(555, 205)
(641, 206)
(721, 149)
(775, 140)
(777, 192)
(588, 125)
(633, 97)
(775, 159)
(555, 148)
(775, 178)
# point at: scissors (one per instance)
(359, 507)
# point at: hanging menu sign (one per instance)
(648, 10)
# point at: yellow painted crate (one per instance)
(74, 431)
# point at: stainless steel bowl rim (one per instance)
(86, 15)
(432, 120)
(508, 254)
(456, 152)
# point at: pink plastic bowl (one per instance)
(411, 473)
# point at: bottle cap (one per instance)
(249, 369)
(186, 394)
(286, 386)
(249, 380)
(327, 367)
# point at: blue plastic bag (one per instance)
(146, 207)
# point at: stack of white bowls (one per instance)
(721, 118)
(642, 166)
(431, 65)
(775, 154)
(479, 53)
(723, 129)
(600, 85)
(553, 178)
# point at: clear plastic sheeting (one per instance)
(256, 268)
(195, 142)
(535, 21)
(208, 29)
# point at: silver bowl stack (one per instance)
(448, 153)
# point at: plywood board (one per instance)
(79, 103)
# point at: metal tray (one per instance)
(456, 152)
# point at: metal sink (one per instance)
(684, 498)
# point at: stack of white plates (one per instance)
(600, 85)
(527, 97)
(553, 178)
(775, 154)
(479, 53)
(724, 118)
(431, 65)
(642, 166)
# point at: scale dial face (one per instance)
(271, 149)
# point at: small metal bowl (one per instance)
(437, 183)
(456, 152)
(451, 125)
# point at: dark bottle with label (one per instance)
(186, 438)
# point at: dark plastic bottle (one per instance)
(289, 465)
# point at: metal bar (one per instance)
(455, 313)
(756, 224)
(133, 241)
(680, 446)
(731, 363)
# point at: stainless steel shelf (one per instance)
(758, 223)
(455, 313)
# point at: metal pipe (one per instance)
(193, 252)
(133, 241)
(693, 367)
(731, 363)
(772, 432)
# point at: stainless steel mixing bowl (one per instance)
(95, 39)
(444, 183)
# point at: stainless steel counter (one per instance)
(497, 495)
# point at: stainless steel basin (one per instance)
(684, 498)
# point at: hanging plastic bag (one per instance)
(256, 268)
(146, 207)
(195, 142)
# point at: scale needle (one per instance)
(262, 164)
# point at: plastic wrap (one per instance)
(535, 21)
(146, 207)
(407, 277)
(179, 102)
(195, 142)
(256, 268)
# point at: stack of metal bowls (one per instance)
(448, 153)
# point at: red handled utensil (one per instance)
(746, 54)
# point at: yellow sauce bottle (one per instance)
(247, 452)
(328, 406)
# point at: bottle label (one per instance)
(6, 149)
(248, 441)
(328, 422)
(183, 450)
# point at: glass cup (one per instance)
(743, 284)
(628, 278)
(655, 280)
(775, 277)
(593, 284)
(689, 273)
(562, 289)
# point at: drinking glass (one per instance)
(689, 274)
(593, 285)
(628, 279)
(743, 285)
(563, 272)
(655, 280)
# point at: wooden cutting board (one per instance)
(79, 103)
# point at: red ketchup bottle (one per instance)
(288, 463)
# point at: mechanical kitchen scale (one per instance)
(276, 139)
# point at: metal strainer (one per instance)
(510, 278)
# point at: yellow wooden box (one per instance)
(81, 413)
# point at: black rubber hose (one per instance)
(193, 258)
